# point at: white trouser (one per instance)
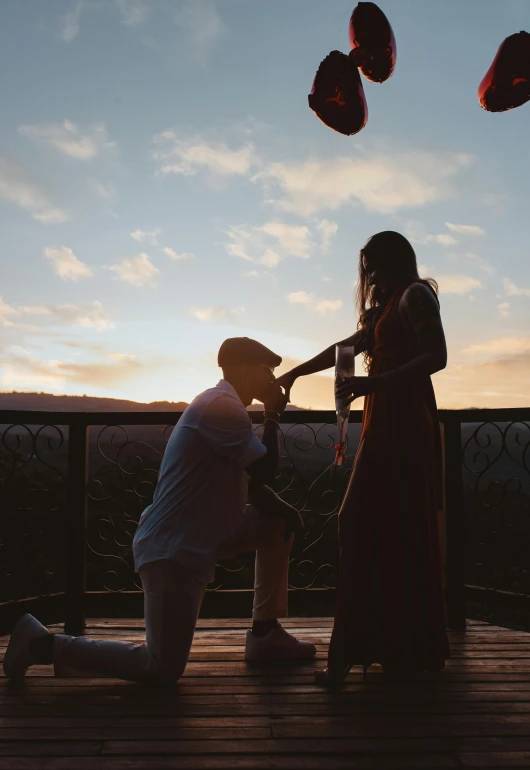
(172, 601)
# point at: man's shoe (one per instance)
(277, 645)
(18, 655)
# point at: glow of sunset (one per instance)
(175, 189)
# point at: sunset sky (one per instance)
(164, 185)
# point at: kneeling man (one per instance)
(211, 502)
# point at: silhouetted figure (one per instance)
(390, 591)
(211, 502)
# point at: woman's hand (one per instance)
(286, 381)
(350, 388)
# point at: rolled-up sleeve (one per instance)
(226, 427)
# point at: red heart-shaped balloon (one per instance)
(507, 82)
(372, 35)
(337, 96)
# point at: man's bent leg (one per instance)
(271, 581)
(265, 535)
(172, 600)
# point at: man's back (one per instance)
(202, 485)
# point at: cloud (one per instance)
(133, 12)
(217, 313)
(504, 309)
(324, 306)
(443, 238)
(6, 313)
(380, 182)
(68, 139)
(501, 346)
(321, 306)
(295, 240)
(492, 381)
(416, 233)
(514, 291)
(495, 373)
(174, 255)
(176, 155)
(202, 27)
(104, 191)
(70, 23)
(457, 284)
(19, 187)
(328, 230)
(299, 298)
(474, 259)
(268, 244)
(147, 236)
(260, 274)
(66, 264)
(89, 314)
(138, 271)
(21, 370)
(474, 230)
(248, 243)
(51, 216)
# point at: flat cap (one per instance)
(243, 350)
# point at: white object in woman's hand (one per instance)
(350, 388)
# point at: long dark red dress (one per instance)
(390, 606)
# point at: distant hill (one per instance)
(47, 402)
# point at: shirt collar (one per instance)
(227, 387)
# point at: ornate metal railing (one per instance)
(73, 486)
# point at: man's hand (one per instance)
(267, 502)
(275, 400)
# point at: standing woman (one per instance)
(390, 589)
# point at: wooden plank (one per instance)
(238, 762)
(342, 755)
(50, 749)
(123, 732)
(153, 748)
(193, 685)
(500, 759)
(288, 717)
(415, 726)
(220, 712)
(263, 693)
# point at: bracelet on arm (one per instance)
(271, 415)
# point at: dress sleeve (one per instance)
(227, 429)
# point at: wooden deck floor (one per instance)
(227, 714)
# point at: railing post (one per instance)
(76, 528)
(454, 507)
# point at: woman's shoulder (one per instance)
(418, 300)
(418, 291)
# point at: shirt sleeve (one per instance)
(227, 429)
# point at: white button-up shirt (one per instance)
(202, 485)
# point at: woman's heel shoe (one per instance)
(333, 678)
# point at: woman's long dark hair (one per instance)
(391, 252)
